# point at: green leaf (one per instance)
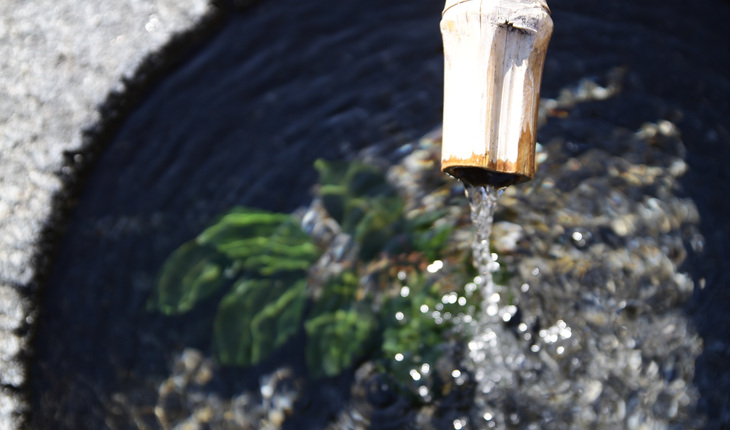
(241, 223)
(358, 196)
(256, 318)
(432, 241)
(278, 321)
(335, 340)
(265, 243)
(191, 274)
(338, 293)
(334, 200)
(331, 172)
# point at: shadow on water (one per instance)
(282, 83)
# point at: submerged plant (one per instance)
(259, 263)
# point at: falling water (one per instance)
(487, 349)
(483, 202)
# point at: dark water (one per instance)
(283, 83)
(280, 85)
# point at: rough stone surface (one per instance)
(58, 62)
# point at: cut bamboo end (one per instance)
(494, 52)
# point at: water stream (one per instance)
(486, 353)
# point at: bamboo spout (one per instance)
(494, 52)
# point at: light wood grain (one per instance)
(494, 52)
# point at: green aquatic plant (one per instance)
(257, 264)
(263, 257)
(358, 196)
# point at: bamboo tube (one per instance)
(494, 52)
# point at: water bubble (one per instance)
(399, 357)
(402, 275)
(267, 390)
(462, 301)
(455, 373)
(425, 368)
(492, 309)
(470, 288)
(399, 316)
(435, 266)
(153, 24)
(415, 375)
(405, 291)
(525, 288)
(449, 298)
(535, 271)
(459, 423)
(424, 309)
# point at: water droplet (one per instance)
(492, 309)
(456, 373)
(399, 357)
(415, 375)
(435, 266)
(449, 298)
(399, 316)
(470, 288)
(267, 391)
(405, 291)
